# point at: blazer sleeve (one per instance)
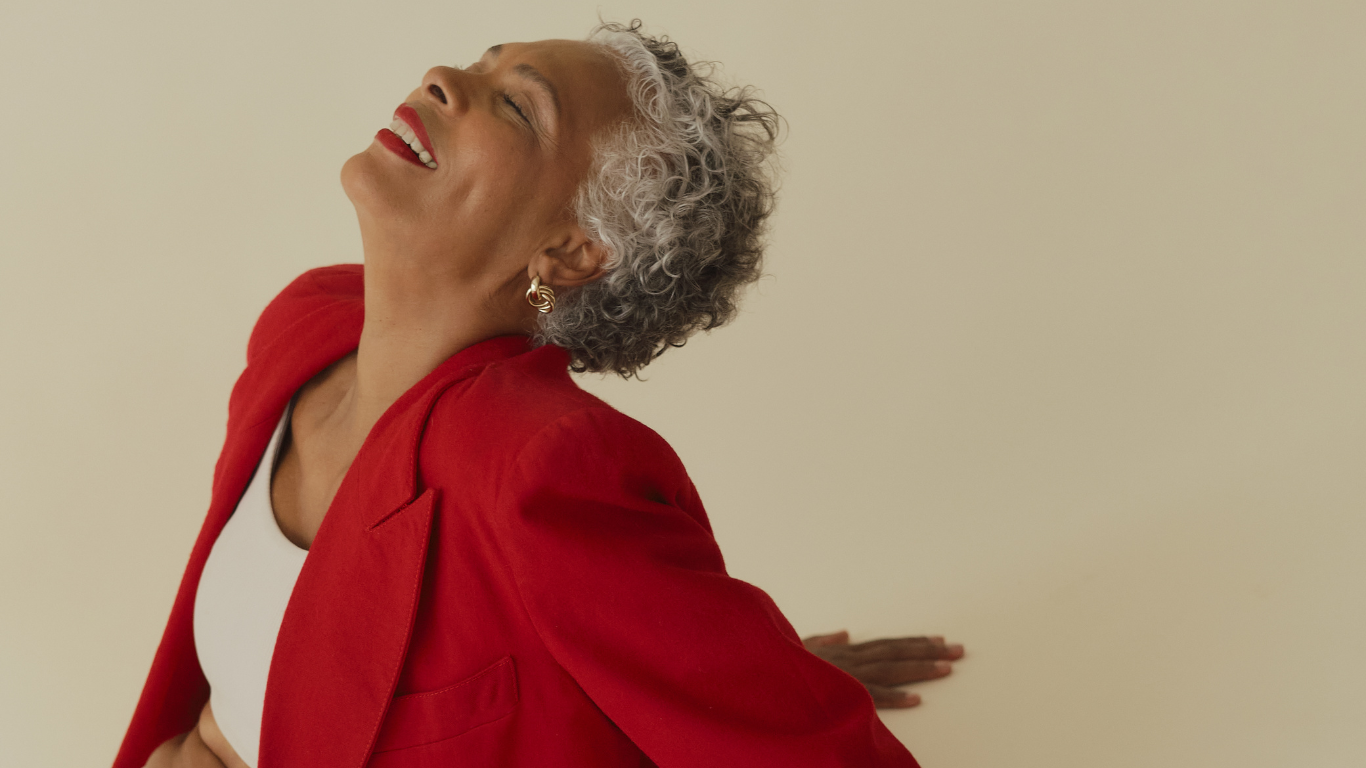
(620, 574)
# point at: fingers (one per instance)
(903, 648)
(899, 672)
(892, 697)
(820, 641)
(887, 662)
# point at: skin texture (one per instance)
(449, 254)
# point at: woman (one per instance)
(501, 569)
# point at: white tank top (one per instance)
(241, 600)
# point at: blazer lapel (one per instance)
(345, 633)
(343, 639)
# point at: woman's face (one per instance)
(510, 136)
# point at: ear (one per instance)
(570, 260)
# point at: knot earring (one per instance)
(542, 297)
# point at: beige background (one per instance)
(1060, 353)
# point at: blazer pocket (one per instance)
(415, 719)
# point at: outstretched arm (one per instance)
(619, 572)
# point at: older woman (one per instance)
(427, 546)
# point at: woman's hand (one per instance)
(187, 750)
(880, 664)
(214, 739)
(203, 747)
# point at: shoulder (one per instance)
(603, 454)
(549, 409)
(320, 289)
(596, 440)
(535, 427)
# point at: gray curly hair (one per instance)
(679, 197)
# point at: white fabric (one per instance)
(241, 600)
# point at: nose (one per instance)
(446, 89)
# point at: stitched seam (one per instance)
(414, 460)
(415, 591)
(403, 652)
(414, 457)
(447, 738)
(515, 466)
(497, 666)
(396, 513)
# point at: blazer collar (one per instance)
(389, 456)
(297, 354)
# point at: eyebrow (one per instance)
(531, 73)
(534, 75)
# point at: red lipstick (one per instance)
(395, 143)
(409, 115)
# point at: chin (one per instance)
(358, 175)
(369, 183)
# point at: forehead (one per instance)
(568, 54)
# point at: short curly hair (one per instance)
(679, 196)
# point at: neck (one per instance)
(414, 321)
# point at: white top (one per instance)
(241, 601)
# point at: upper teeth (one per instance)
(406, 133)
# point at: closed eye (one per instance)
(514, 105)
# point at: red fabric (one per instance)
(512, 574)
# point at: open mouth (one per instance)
(407, 137)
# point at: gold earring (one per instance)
(542, 297)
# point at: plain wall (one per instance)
(1060, 351)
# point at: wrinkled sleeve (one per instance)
(621, 576)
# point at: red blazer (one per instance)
(512, 574)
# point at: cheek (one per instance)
(490, 174)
